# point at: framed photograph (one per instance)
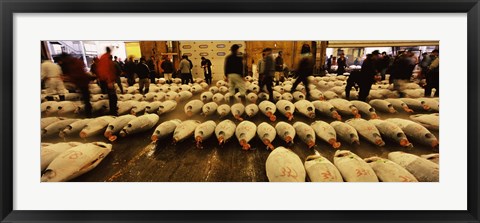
(202, 111)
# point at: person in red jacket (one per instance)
(107, 77)
(74, 71)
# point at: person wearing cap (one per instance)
(207, 70)
(369, 71)
(234, 72)
(184, 68)
(305, 69)
(268, 68)
(432, 77)
(279, 67)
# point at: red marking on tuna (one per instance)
(362, 172)
(327, 175)
(286, 171)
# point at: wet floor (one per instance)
(135, 159)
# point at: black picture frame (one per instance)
(9, 7)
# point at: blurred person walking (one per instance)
(51, 73)
(143, 73)
(383, 64)
(268, 67)
(279, 67)
(304, 70)
(234, 73)
(190, 76)
(130, 68)
(151, 66)
(74, 71)
(184, 68)
(402, 72)
(167, 67)
(369, 71)
(425, 63)
(106, 71)
(342, 64)
(118, 74)
(432, 78)
(207, 70)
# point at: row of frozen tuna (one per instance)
(396, 130)
(67, 160)
(283, 165)
(110, 126)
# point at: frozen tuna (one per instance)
(237, 111)
(167, 106)
(382, 105)
(209, 108)
(388, 171)
(164, 129)
(251, 110)
(320, 169)
(353, 168)
(140, 124)
(327, 109)
(415, 132)
(344, 107)
(245, 132)
(116, 126)
(391, 131)
(367, 130)
(267, 134)
(224, 131)
(50, 152)
(287, 108)
(74, 128)
(96, 126)
(285, 131)
(283, 165)
(326, 133)
(76, 161)
(223, 110)
(203, 132)
(365, 108)
(422, 169)
(306, 133)
(430, 121)
(346, 132)
(268, 109)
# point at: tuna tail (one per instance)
(374, 115)
(189, 113)
(244, 144)
(62, 134)
(405, 143)
(407, 109)
(198, 139)
(238, 118)
(107, 134)
(426, 107)
(268, 144)
(392, 110)
(435, 143)
(112, 138)
(379, 142)
(154, 138)
(221, 140)
(335, 115)
(289, 116)
(83, 135)
(311, 144)
(271, 116)
(288, 139)
(334, 143)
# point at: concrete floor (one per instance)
(135, 159)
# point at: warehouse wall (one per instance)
(215, 51)
(153, 48)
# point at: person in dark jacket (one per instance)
(143, 73)
(167, 67)
(432, 77)
(329, 63)
(74, 71)
(118, 74)
(279, 67)
(207, 70)
(130, 68)
(268, 72)
(383, 64)
(190, 75)
(352, 81)
(184, 69)
(342, 64)
(402, 73)
(234, 72)
(151, 66)
(304, 69)
(369, 71)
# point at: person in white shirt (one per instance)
(51, 74)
